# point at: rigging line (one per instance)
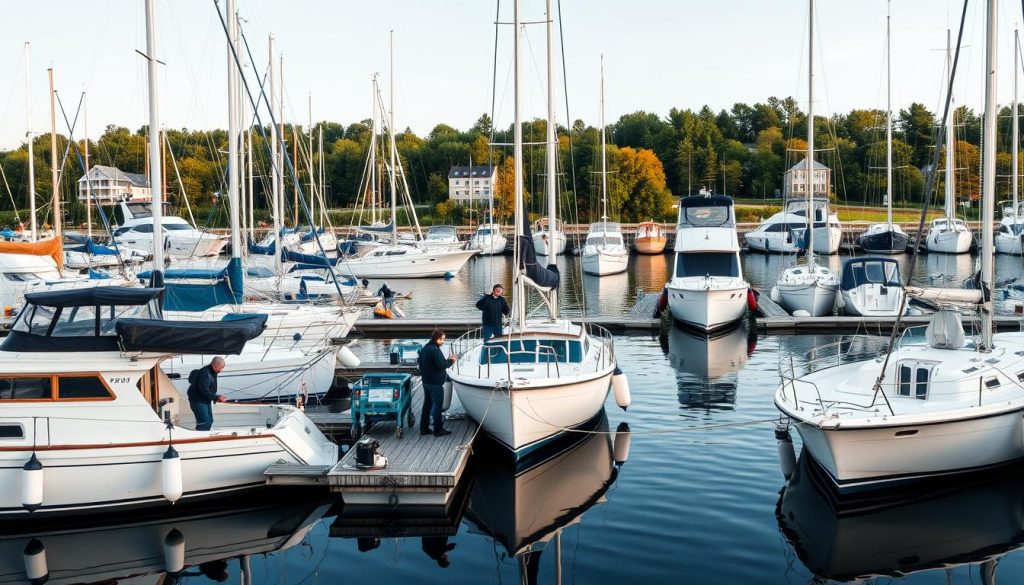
(10, 195)
(582, 300)
(940, 134)
(490, 141)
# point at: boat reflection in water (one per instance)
(526, 511)
(707, 367)
(202, 541)
(967, 530)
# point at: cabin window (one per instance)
(913, 380)
(12, 431)
(78, 387)
(25, 388)
(707, 263)
(145, 228)
(992, 383)
(531, 351)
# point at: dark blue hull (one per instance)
(884, 242)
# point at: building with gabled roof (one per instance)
(795, 181)
(466, 183)
(112, 185)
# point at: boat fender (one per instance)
(32, 484)
(447, 402)
(35, 562)
(174, 552)
(347, 358)
(774, 294)
(787, 453)
(840, 302)
(448, 276)
(662, 302)
(620, 385)
(620, 449)
(801, 313)
(170, 475)
(751, 300)
(297, 337)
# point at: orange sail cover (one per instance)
(51, 248)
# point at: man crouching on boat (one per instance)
(202, 391)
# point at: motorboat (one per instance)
(775, 234)
(827, 230)
(707, 290)
(403, 261)
(548, 241)
(932, 408)
(488, 240)
(650, 238)
(85, 402)
(884, 238)
(182, 239)
(871, 287)
(441, 237)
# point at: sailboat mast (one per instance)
(517, 156)
(252, 193)
(88, 179)
(888, 117)
(373, 154)
(809, 160)
(950, 141)
(323, 185)
(28, 135)
(988, 186)
(1016, 131)
(391, 127)
(54, 167)
(309, 133)
(604, 155)
(234, 174)
(155, 164)
(275, 183)
(552, 153)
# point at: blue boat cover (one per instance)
(190, 337)
(93, 296)
(313, 259)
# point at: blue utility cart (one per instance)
(384, 396)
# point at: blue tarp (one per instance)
(312, 259)
(263, 250)
(196, 297)
(188, 273)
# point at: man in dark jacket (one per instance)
(494, 307)
(433, 364)
(387, 295)
(202, 391)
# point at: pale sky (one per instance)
(659, 54)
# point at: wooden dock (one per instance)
(421, 470)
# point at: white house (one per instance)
(111, 185)
(795, 182)
(468, 183)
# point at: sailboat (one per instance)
(888, 237)
(1011, 225)
(949, 235)
(547, 375)
(809, 288)
(487, 238)
(605, 249)
(926, 409)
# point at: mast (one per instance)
(312, 191)
(552, 162)
(373, 154)
(604, 155)
(252, 193)
(323, 186)
(28, 134)
(275, 170)
(809, 160)
(282, 147)
(517, 156)
(888, 117)
(155, 164)
(235, 264)
(88, 179)
(54, 169)
(950, 142)
(391, 127)
(1016, 131)
(988, 186)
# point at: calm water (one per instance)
(697, 501)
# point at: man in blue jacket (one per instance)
(494, 307)
(202, 391)
(433, 364)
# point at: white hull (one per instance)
(488, 245)
(413, 264)
(707, 304)
(599, 261)
(526, 417)
(815, 298)
(1008, 244)
(178, 247)
(867, 300)
(261, 374)
(770, 242)
(541, 243)
(826, 239)
(948, 242)
(291, 326)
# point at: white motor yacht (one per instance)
(871, 287)
(182, 239)
(707, 290)
(775, 234)
(441, 237)
(488, 240)
(83, 401)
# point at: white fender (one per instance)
(170, 475)
(620, 385)
(774, 294)
(32, 484)
(620, 450)
(174, 552)
(801, 313)
(447, 402)
(347, 358)
(34, 557)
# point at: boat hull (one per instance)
(706, 309)
(771, 243)
(949, 242)
(1008, 244)
(887, 242)
(872, 300)
(263, 376)
(650, 245)
(488, 245)
(430, 264)
(603, 263)
(541, 245)
(815, 298)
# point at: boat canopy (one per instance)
(858, 271)
(92, 296)
(703, 211)
(227, 336)
(441, 230)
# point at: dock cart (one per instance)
(384, 396)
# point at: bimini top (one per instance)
(703, 211)
(858, 271)
(92, 296)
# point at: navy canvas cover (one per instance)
(190, 337)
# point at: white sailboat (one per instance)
(604, 251)
(1011, 225)
(487, 238)
(928, 409)
(949, 235)
(544, 376)
(809, 288)
(707, 290)
(888, 237)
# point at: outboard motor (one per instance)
(366, 452)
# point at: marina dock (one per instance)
(420, 471)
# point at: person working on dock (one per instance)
(387, 295)
(202, 391)
(433, 364)
(494, 307)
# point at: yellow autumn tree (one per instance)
(637, 190)
(504, 191)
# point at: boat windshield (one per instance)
(440, 232)
(858, 272)
(532, 351)
(706, 217)
(83, 321)
(799, 207)
(707, 264)
(484, 232)
(611, 240)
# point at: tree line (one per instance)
(743, 151)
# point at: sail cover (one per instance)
(190, 337)
(543, 277)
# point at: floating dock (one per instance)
(420, 471)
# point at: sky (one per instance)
(658, 54)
